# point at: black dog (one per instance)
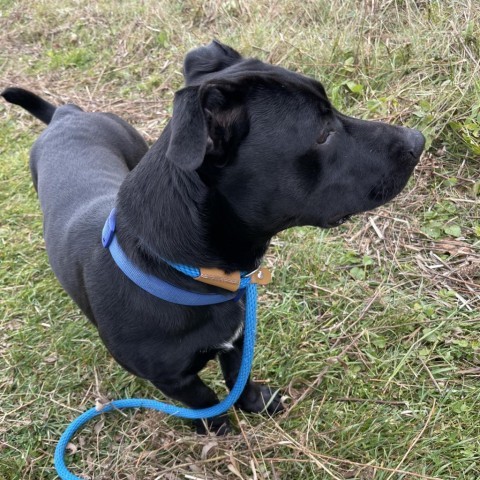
(251, 149)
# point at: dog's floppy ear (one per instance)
(209, 120)
(188, 137)
(206, 60)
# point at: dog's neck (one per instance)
(166, 212)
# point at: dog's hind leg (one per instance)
(255, 397)
(191, 391)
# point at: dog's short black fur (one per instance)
(251, 149)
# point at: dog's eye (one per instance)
(323, 137)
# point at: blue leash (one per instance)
(223, 406)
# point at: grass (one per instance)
(373, 330)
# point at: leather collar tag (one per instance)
(218, 278)
(261, 276)
(231, 281)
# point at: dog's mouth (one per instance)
(339, 220)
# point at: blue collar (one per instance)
(159, 288)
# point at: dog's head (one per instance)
(270, 145)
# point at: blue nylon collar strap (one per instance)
(157, 287)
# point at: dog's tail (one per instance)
(38, 107)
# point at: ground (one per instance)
(372, 329)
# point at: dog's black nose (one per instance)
(415, 142)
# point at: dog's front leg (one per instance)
(255, 397)
(191, 391)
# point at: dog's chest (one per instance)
(228, 344)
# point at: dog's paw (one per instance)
(260, 398)
(219, 425)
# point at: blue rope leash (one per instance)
(223, 406)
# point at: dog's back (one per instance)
(78, 164)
